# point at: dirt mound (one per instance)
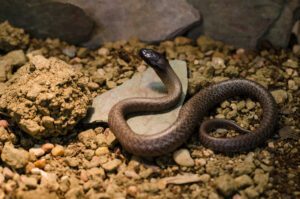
(46, 97)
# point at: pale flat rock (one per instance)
(183, 158)
(146, 84)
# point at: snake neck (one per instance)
(141, 104)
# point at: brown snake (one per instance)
(191, 114)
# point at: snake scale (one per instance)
(191, 114)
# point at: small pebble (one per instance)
(251, 192)
(225, 184)
(111, 84)
(70, 51)
(8, 174)
(93, 86)
(30, 182)
(29, 167)
(38, 152)
(183, 158)
(102, 151)
(40, 163)
(131, 174)
(47, 147)
(280, 96)
(250, 104)
(112, 165)
(204, 178)
(58, 150)
(200, 162)
(243, 181)
(107, 138)
(245, 167)
(292, 85)
(103, 51)
(17, 158)
(208, 153)
(132, 190)
(4, 123)
(271, 145)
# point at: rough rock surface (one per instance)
(245, 23)
(148, 20)
(280, 32)
(46, 97)
(44, 19)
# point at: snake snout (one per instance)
(153, 58)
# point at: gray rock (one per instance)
(245, 23)
(148, 20)
(16, 158)
(280, 32)
(44, 19)
(226, 185)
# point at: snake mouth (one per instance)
(153, 58)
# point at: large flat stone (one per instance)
(246, 23)
(150, 21)
(146, 84)
(44, 19)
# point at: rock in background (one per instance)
(245, 23)
(44, 19)
(241, 23)
(150, 21)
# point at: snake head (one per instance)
(153, 58)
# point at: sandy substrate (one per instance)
(63, 161)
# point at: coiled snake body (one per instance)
(191, 114)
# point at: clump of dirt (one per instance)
(46, 97)
(12, 38)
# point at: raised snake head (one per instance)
(154, 59)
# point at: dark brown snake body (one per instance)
(191, 114)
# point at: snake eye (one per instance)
(153, 58)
